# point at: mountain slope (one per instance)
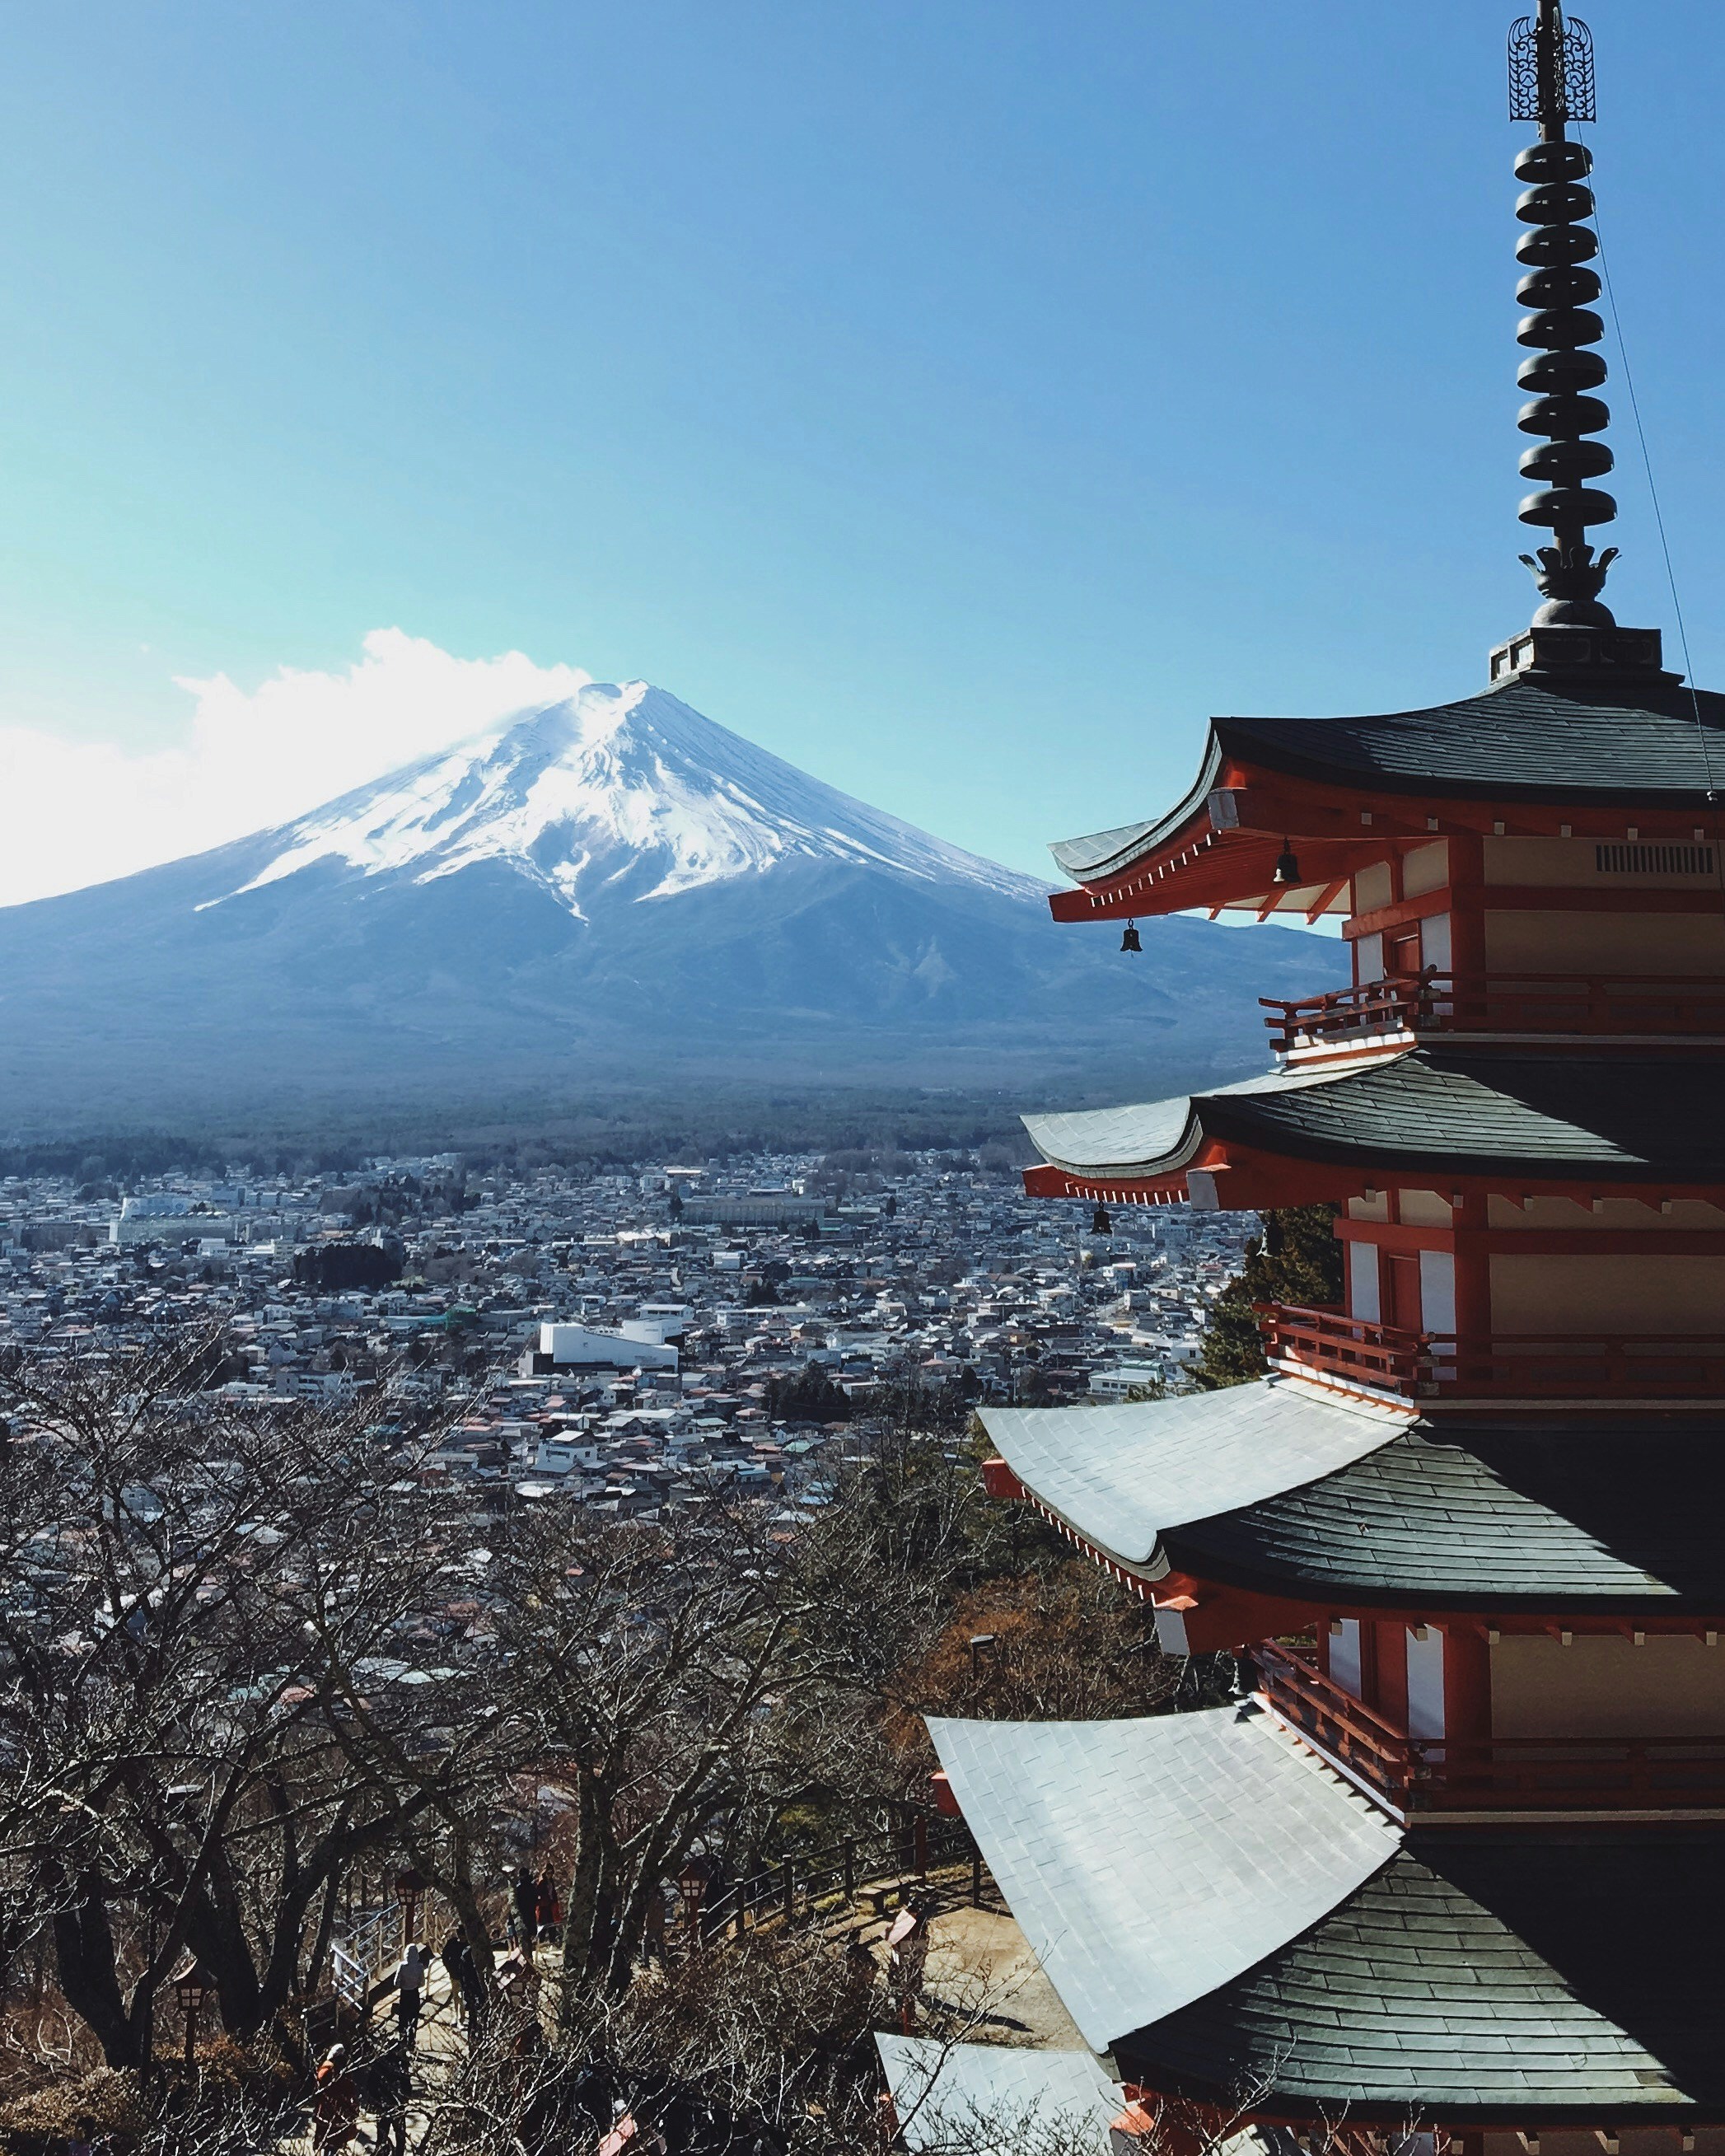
(613, 888)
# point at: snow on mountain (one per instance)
(608, 889)
(619, 792)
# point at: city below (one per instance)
(624, 1341)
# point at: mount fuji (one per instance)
(610, 888)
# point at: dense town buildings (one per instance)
(619, 1339)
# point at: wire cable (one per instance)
(1665, 544)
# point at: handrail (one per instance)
(1436, 1000)
(1508, 1365)
(1362, 1347)
(1498, 1774)
(798, 1883)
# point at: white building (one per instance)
(570, 1347)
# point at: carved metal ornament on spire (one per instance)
(1550, 79)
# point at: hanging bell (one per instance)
(1100, 1223)
(1130, 941)
(1287, 865)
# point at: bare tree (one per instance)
(176, 1780)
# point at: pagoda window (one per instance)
(1367, 959)
(1606, 1215)
(1425, 1681)
(1363, 1298)
(1343, 1657)
(1589, 864)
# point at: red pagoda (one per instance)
(1453, 1867)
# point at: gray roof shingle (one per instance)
(1482, 1975)
(1561, 1517)
(1531, 740)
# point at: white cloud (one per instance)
(85, 812)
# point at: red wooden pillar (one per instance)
(1473, 1280)
(1390, 1669)
(1467, 1684)
(1468, 911)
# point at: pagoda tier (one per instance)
(1635, 1124)
(1503, 1618)
(1269, 1490)
(1541, 1229)
(1594, 761)
(1228, 1923)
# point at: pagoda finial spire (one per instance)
(1551, 72)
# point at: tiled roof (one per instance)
(1485, 1975)
(990, 2100)
(1528, 737)
(1528, 740)
(1148, 1861)
(1493, 1515)
(1123, 1476)
(1621, 1118)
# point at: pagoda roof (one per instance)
(1148, 1861)
(1445, 1112)
(1661, 745)
(1124, 1476)
(1226, 1916)
(1273, 1489)
(1490, 1515)
(1485, 1975)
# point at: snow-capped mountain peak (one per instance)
(618, 793)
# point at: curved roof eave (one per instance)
(1522, 740)
(1152, 1137)
(1424, 1111)
(1120, 1476)
(1103, 853)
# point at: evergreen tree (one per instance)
(1297, 1260)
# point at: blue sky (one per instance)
(963, 400)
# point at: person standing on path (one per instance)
(409, 1984)
(524, 1899)
(334, 2104)
(465, 1979)
(549, 1907)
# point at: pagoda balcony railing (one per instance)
(1495, 1773)
(1327, 1339)
(1612, 1004)
(1437, 1366)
